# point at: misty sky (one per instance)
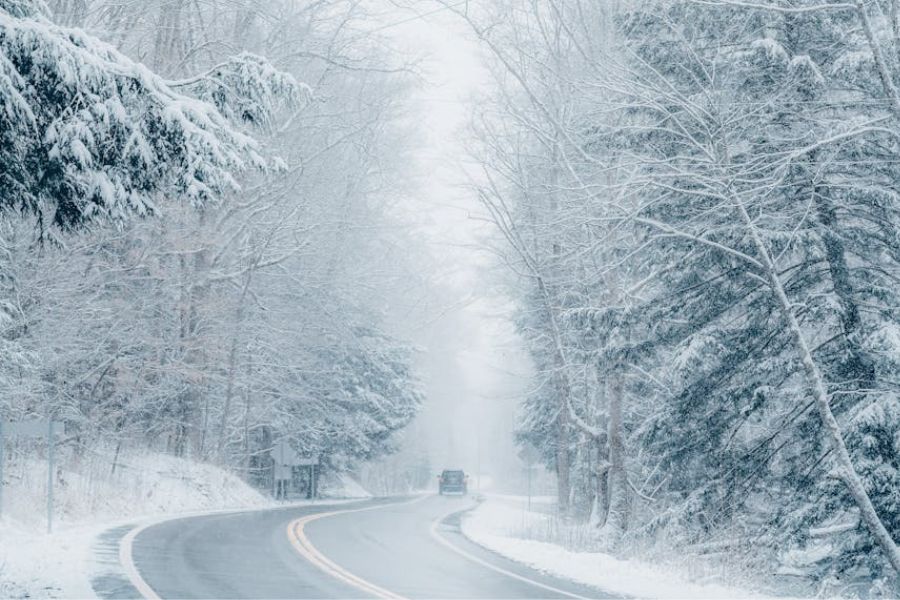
(474, 366)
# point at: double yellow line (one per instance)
(297, 536)
(301, 543)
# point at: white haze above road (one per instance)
(474, 365)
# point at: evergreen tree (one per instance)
(87, 132)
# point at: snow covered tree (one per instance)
(727, 178)
(208, 329)
(736, 160)
(87, 132)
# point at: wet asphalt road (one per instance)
(392, 546)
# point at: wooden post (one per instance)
(2, 459)
(50, 475)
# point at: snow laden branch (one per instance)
(847, 471)
(668, 230)
(280, 310)
(247, 89)
(778, 6)
(85, 132)
(705, 172)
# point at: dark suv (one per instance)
(452, 482)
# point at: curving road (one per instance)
(390, 548)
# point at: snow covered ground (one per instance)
(504, 525)
(89, 500)
(342, 486)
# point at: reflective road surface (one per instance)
(385, 548)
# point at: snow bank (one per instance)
(90, 498)
(342, 486)
(499, 525)
(142, 485)
(40, 565)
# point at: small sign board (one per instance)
(283, 472)
(283, 454)
(32, 428)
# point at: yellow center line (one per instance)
(297, 536)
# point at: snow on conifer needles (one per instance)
(87, 132)
(228, 269)
(717, 280)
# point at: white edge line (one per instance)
(126, 559)
(126, 556)
(445, 542)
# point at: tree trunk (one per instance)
(617, 482)
(232, 365)
(115, 461)
(600, 508)
(814, 377)
(857, 366)
(563, 388)
(229, 395)
(247, 453)
(562, 460)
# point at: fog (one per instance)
(472, 364)
(449, 298)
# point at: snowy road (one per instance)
(409, 548)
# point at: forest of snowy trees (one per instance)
(697, 206)
(197, 251)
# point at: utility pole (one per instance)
(50, 475)
(529, 456)
(2, 459)
(529, 487)
(478, 453)
(33, 428)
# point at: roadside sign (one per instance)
(283, 472)
(32, 428)
(283, 454)
(284, 459)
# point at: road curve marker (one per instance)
(304, 547)
(468, 555)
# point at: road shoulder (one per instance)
(502, 527)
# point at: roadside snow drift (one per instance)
(499, 525)
(90, 499)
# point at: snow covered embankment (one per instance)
(502, 526)
(90, 499)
